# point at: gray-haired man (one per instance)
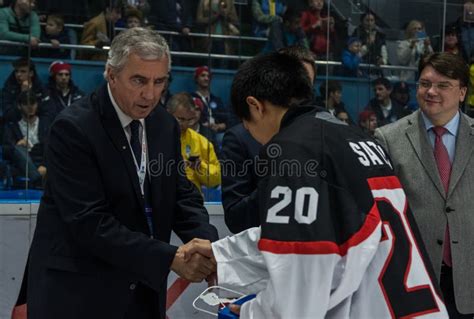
(101, 247)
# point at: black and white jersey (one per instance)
(337, 238)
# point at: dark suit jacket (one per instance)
(91, 246)
(239, 187)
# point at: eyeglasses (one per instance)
(440, 86)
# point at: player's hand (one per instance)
(235, 309)
(194, 261)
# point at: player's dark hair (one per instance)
(276, 78)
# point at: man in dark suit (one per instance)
(101, 246)
(239, 179)
(433, 155)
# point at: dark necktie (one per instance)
(444, 169)
(135, 140)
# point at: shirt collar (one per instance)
(452, 126)
(125, 120)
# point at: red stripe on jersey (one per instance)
(385, 182)
(323, 247)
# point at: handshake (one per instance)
(195, 261)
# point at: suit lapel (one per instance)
(418, 137)
(463, 152)
(116, 134)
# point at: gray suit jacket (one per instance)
(412, 154)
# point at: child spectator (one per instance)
(202, 166)
(264, 13)
(410, 50)
(55, 34)
(286, 33)
(351, 58)
(19, 23)
(133, 18)
(24, 140)
(343, 116)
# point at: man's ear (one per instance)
(256, 107)
(110, 75)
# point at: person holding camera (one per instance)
(410, 50)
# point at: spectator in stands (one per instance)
(133, 18)
(23, 78)
(178, 16)
(286, 33)
(55, 34)
(266, 12)
(315, 25)
(351, 58)
(223, 21)
(166, 93)
(99, 31)
(61, 89)
(24, 140)
(401, 94)
(387, 109)
(451, 41)
(368, 122)
(215, 115)
(19, 23)
(202, 166)
(464, 26)
(142, 6)
(201, 129)
(331, 97)
(343, 116)
(374, 49)
(410, 50)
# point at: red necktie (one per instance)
(444, 168)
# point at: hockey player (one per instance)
(337, 238)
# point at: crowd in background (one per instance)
(28, 106)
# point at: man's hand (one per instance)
(194, 261)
